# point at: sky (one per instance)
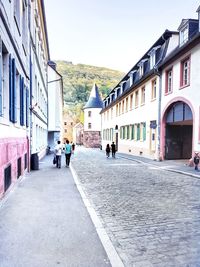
(111, 33)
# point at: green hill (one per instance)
(79, 79)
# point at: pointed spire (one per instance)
(94, 100)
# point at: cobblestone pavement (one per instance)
(152, 216)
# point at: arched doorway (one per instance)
(178, 132)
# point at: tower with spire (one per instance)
(92, 119)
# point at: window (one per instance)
(108, 115)
(65, 130)
(65, 123)
(127, 132)
(131, 102)
(132, 132)
(122, 106)
(152, 59)
(89, 125)
(12, 90)
(136, 99)
(89, 113)
(153, 90)
(24, 26)
(72, 123)
(127, 104)
(17, 7)
(117, 110)
(168, 83)
(184, 35)
(111, 113)
(185, 72)
(138, 132)
(144, 131)
(4, 56)
(143, 95)
(141, 69)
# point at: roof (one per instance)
(94, 100)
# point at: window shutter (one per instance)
(21, 101)
(14, 100)
(1, 89)
(10, 90)
(27, 105)
(144, 131)
(138, 132)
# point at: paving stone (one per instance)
(153, 215)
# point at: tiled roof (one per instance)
(95, 100)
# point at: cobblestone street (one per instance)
(151, 215)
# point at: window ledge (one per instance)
(183, 86)
(168, 93)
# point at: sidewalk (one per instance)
(45, 223)
(178, 166)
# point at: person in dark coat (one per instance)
(113, 149)
(196, 161)
(108, 150)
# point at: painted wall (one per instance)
(189, 94)
(95, 119)
(134, 115)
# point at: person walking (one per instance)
(196, 161)
(73, 147)
(113, 149)
(58, 153)
(68, 151)
(108, 150)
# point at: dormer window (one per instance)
(152, 55)
(141, 66)
(152, 59)
(141, 69)
(122, 86)
(131, 75)
(184, 35)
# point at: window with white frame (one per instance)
(143, 95)
(89, 125)
(136, 98)
(185, 72)
(4, 70)
(141, 69)
(152, 59)
(168, 88)
(25, 26)
(153, 89)
(17, 8)
(184, 35)
(89, 113)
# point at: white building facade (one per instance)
(154, 111)
(130, 114)
(180, 104)
(55, 105)
(39, 57)
(23, 87)
(14, 92)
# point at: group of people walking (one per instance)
(111, 148)
(68, 150)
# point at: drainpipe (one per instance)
(159, 156)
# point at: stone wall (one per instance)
(92, 139)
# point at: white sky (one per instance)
(111, 33)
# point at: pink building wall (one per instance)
(10, 150)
